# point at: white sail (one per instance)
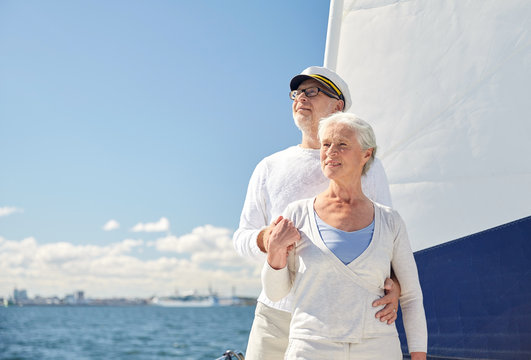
(447, 86)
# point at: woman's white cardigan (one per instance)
(333, 301)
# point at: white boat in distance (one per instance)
(186, 301)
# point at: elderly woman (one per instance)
(336, 263)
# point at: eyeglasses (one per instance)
(311, 92)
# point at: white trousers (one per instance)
(269, 335)
(384, 348)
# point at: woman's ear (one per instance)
(368, 153)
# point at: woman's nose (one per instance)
(332, 150)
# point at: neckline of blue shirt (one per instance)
(321, 221)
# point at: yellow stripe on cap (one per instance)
(331, 84)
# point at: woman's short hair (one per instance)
(364, 132)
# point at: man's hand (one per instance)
(263, 237)
(390, 300)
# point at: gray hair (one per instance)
(364, 132)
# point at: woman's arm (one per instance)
(275, 274)
(405, 268)
(376, 187)
(276, 283)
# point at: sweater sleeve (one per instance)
(276, 283)
(411, 301)
(253, 218)
(375, 184)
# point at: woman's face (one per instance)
(342, 157)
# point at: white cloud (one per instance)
(111, 225)
(207, 246)
(202, 239)
(203, 258)
(160, 226)
(8, 210)
(220, 258)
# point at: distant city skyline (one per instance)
(128, 134)
(20, 297)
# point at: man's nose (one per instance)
(301, 97)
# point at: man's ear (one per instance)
(340, 105)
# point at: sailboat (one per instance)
(446, 85)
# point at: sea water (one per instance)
(132, 332)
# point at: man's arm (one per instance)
(390, 300)
(248, 239)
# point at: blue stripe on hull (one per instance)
(477, 295)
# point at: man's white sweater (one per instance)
(332, 301)
(286, 176)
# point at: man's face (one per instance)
(307, 111)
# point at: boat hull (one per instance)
(477, 294)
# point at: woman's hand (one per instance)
(281, 241)
(263, 237)
(418, 356)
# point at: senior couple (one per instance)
(318, 215)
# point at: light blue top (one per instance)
(347, 246)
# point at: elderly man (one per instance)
(294, 174)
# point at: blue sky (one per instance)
(152, 114)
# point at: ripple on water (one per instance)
(130, 333)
